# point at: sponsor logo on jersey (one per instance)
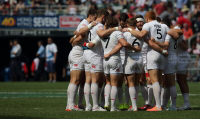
(93, 66)
(75, 65)
(117, 69)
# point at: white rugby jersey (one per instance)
(172, 45)
(134, 42)
(156, 30)
(83, 24)
(50, 50)
(111, 41)
(92, 36)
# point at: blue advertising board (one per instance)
(37, 22)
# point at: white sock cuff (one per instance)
(114, 87)
(156, 83)
(73, 85)
(95, 84)
(149, 85)
(87, 84)
(131, 87)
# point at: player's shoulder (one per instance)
(177, 27)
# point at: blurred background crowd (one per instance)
(186, 13)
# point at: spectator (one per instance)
(15, 66)
(93, 6)
(20, 7)
(51, 54)
(187, 32)
(117, 16)
(197, 24)
(161, 7)
(130, 13)
(72, 8)
(110, 10)
(140, 3)
(24, 70)
(179, 5)
(197, 9)
(141, 11)
(41, 54)
(49, 11)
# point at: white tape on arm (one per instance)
(75, 36)
(116, 28)
(87, 44)
(130, 29)
(89, 26)
(164, 51)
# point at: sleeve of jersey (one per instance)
(15, 50)
(167, 28)
(167, 38)
(100, 26)
(83, 25)
(120, 35)
(146, 27)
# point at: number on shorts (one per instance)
(175, 45)
(135, 42)
(158, 32)
(108, 39)
(89, 35)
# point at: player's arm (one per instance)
(139, 34)
(164, 45)
(183, 45)
(55, 55)
(77, 40)
(85, 29)
(175, 33)
(94, 42)
(156, 47)
(114, 50)
(128, 46)
(103, 33)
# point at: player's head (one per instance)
(39, 43)
(122, 20)
(92, 14)
(15, 42)
(131, 22)
(102, 14)
(158, 19)
(140, 21)
(166, 21)
(149, 16)
(49, 40)
(111, 22)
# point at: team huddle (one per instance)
(107, 53)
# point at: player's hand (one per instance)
(125, 30)
(137, 48)
(106, 56)
(119, 28)
(71, 40)
(152, 39)
(94, 23)
(166, 54)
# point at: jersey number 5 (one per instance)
(158, 32)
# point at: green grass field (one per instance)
(36, 100)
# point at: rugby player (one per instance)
(76, 62)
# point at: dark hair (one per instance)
(166, 21)
(16, 40)
(102, 12)
(111, 22)
(91, 12)
(123, 17)
(138, 16)
(158, 19)
(131, 21)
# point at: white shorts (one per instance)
(133, 65)
(96, 64)
(113, 65)
(171, 65)
(155, 60)
(87, 60)
(183, 64)
(75, 59)
(144, 58)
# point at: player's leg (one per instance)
(87, 90)
(182, 82)
(170, 80)
(155, 76)
(127, 96)
(114, 90)
(120, 92)
(162, 88)
(81, 92)
(107, 91)
(101, 90)
(50, 77)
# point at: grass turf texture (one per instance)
(36, 100)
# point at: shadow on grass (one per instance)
(20, 117)
(195, 108)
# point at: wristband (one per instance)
(75, 36)
(94, 41)
(130, 29)
(87, 44)
(116, 28)
(164, 51)
(89, 26)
